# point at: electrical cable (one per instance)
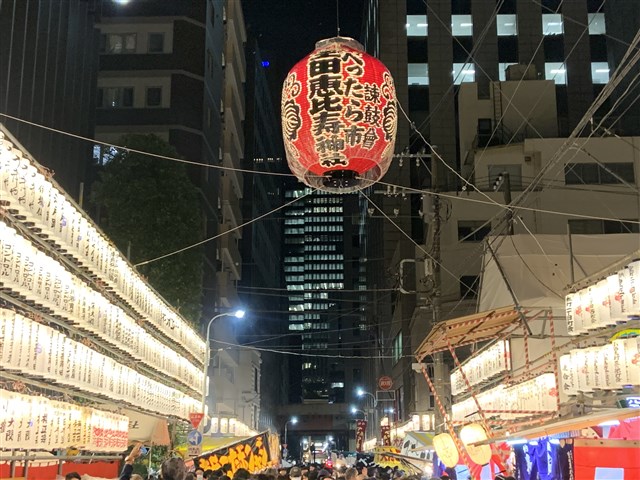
(141, 152)
(221, 234)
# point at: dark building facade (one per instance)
(261, 288)
(49, 64)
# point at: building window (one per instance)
(596, 24)
(463, 72)
(115, 97)
(256, 380)
(461, 25)
(507, 25)
(552, 24)
(118, 43)
(397, 348)
(469, 286)
(418, 74)
(472, 230)
(555, 71)
(154, 96)
(417, 26)
(595, 174)
(156, 43)
(599, 227)
(599, 72)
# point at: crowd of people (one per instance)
(176, 469)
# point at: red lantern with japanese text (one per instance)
(339, 117)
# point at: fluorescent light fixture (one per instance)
(466, 24)
(602, 70)
(509, 24)
(469, 72)
(555, 24)
(422, 25)
(558, 70)
(408, 25)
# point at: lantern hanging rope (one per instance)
(339, 117)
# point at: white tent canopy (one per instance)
(538, 267)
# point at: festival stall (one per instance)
(523, 371)
(83, 335)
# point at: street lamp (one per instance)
(355, 410)
(360, 392)
(293, 421)
(207, 358)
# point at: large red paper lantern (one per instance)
(339, 117)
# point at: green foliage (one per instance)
(152, 205)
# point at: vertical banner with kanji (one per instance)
(385, 432)
(361, 428)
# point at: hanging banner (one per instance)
(361, 428)
(251, 454)
(385, 433)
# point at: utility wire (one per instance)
(221, 234)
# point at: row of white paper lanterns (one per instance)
(492, 361)
(38, 350)
(44, 281)
(607, 367)
(522, 400)
(612, 300)
(40, 202)
(37, 423)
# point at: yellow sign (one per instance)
(386, 460)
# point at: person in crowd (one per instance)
(127, 469)
(199, 474)
(295, 473)
(72, 476)
(173, 469)
(241, 474)
(324, 474)
(351, 473)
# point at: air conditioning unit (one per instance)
(519, 71)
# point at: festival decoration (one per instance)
(339, 117)
(607, 302)
(535, 396)
(37, 423)
(30, 194)
(361, 428)
(472, 433)
(492, 361)
(607, 367)
(446, 449)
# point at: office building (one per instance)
(473, 77)
(49, 60)
(177, 70)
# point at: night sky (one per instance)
(287, 30)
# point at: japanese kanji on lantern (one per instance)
(339, 117)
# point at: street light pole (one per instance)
(207, 351)
(294, 420)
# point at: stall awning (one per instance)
(560, 426)
(473, 328)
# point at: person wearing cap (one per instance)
(295, 473)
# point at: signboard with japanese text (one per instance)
(252, 454)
